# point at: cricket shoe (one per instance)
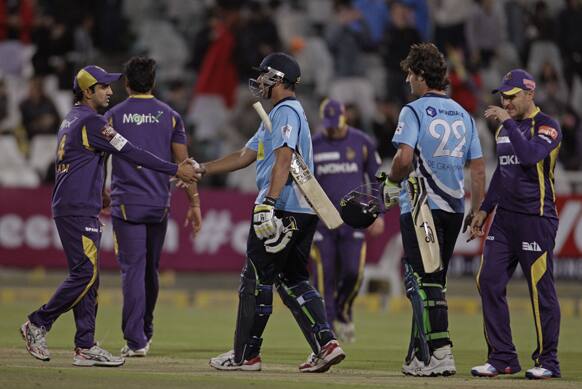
(539, 373)
(441, 363)
(96, 356)
(346, 332)
(330, 354)
(226, 362)
(35, 339)
(487, 370)
(141, 352)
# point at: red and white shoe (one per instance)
(330, 354)
(487, 370)
(226, 362)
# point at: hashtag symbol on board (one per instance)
(214, 233)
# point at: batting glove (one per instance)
(265, 223)
(390, 191)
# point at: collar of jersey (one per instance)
(431, 94)
(142, 96)
(285, 99)
(534, 113)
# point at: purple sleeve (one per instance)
(178, 132)
(531, 151)
(100, 135)
(492, 196)
(372, 163)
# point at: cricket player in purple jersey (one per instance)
(141, 199)
(523, 230)
(343, 157)
(84, 139)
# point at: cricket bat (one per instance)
(307, 183)
(424, 225)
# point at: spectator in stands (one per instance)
(377, 16)
(397, 41)
(256, 37)
(570, 38)
(38, 112)
(449, 17)
(347, 36)
(53, 43)
(465, 83)
(17, 20)
(484, 31)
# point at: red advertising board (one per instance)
(28, 237)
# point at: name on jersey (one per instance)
(141, 118)
(67, 123)
(508, 160)
(435, 165)
(337, 167)
(451, 112)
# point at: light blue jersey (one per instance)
(444, 137)
(290, 128)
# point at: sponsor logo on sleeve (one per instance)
(399, 128)
(548, 131)
(118, 142)
(286, 131)
(108, 132)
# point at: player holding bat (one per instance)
(282, 227)
(435, 137)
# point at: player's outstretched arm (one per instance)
(233, 161)
(194, 215)
(477, 174)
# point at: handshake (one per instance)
(189, 172)
(276, 232)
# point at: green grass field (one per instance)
(186, 338)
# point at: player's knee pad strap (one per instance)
(264, 299)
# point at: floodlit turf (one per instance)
(186, 338)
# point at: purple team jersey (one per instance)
(527, 152)
(340, 164)
(151, 125)
(84, 139)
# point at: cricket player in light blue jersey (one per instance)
(435, 138)
(281, 231)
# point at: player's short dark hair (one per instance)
(424, 59)
(140, 73)
(78, 94)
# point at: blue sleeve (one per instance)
(285, 125)
(98, 134)
(475, 150)
(547, 136)
(178, 131)
(408, 128)
(253, 143)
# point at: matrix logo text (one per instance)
(140, 118)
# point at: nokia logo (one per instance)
(141, 118)
(339, 167)
(508, 160)
(533, 246)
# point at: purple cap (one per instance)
(91, 75)
(332, 113)
(515, 81)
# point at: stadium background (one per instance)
(349, 50)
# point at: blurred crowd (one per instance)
(349, 50)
